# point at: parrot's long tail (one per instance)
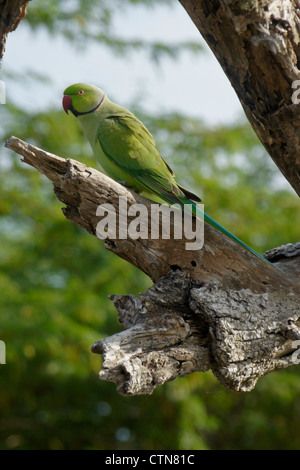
(197, 211)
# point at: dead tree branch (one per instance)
(218, 308)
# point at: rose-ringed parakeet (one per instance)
(126, 150)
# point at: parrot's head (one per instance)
(82, 98)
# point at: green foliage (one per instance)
(55, 279)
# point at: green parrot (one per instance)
(126, 151)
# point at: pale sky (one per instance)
(195, 85)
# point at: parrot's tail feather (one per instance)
(223, 230)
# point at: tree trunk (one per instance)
(257, 43)
(11, 13)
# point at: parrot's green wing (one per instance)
(127, 143)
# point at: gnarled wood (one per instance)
(83, 189)
(178, 327)
(219, 308)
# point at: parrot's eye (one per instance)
(80, 92)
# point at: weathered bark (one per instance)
(219, 308)
(178, 327)
(11, 13)
(257, 43)
(82, 189)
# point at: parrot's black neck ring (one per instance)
(77, 113)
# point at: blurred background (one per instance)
(55, 278)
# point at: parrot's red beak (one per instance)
(67, 103)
